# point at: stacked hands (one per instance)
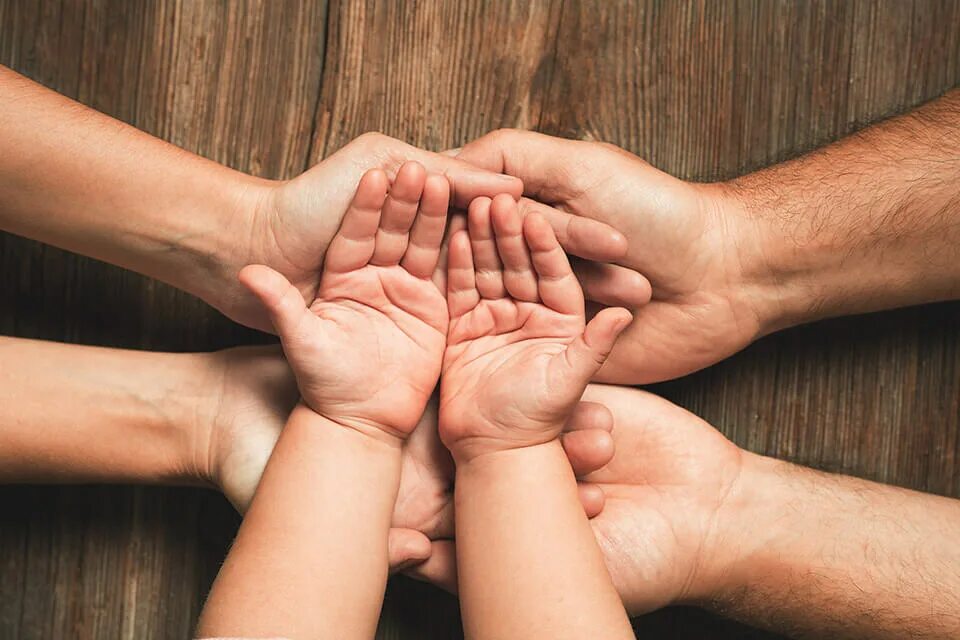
(508, 341)
(576, 263)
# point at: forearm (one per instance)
(310, 559)
(71, 413)
(867, 223)
(515, 580)
(82, 181)
(829, 555)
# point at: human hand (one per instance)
(367, 351)
(667, 529)
(252, 391)
(287, 225)
(699, 252)
(518, 353)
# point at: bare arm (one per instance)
(87, 414)
(832, 555)
(870, 222)
(528, 562)
(310, 559)
(82, 181)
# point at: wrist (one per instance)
(759, 536)
(777, 272)
(218, 245)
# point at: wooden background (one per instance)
(704, 90)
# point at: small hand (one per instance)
(699, 252)
(518, 351)
(288, 225)
(367, 350)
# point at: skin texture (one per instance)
(730, 262)
(518, 357)
(82, 181)
(692, 519)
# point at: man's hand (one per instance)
(692, 519)
(681, 237)
(367, 351)
(867, 223)
(665, 492)
(519, 352)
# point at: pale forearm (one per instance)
(82, 181)
(71, 413)
(830, 555)
(868, 223)
(310, 559)
(516, 581)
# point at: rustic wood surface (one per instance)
(704, 90)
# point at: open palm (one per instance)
(367, 351)
(518, 353)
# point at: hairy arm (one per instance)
(870, 222)
(841, 557)
(70, 413)
(528, 562)
(310, 559)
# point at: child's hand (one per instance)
(518, 354)
(367, 351)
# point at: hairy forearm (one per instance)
(830, 555)
(82, 181)
(310, 559)
(867, 223)
(71, 413)
(516, 582)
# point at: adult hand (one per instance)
(252, 391)
(697, 252)
(288, 225)
(667, 515)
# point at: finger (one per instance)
(399, 211)
(407, 547)
(284, 303)
(467, 181)
(612, 285)
(591, 498)
(556, 284)
(584, 237)
(518, 276)
(456, 221)
(426, 236)
(462, 294)
(541, 161)
(589, 415)
(440, 569)
(588, 352)
(587, 449)
(353, 245)
(484, 246)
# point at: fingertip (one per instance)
(478, 216)
(407, 547)
(590, 415)
(592, 498)
(587, 450)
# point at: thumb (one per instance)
(283, 302)
(440, 569)
(586, 354)
(406, 547)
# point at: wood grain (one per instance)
(704, 90)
